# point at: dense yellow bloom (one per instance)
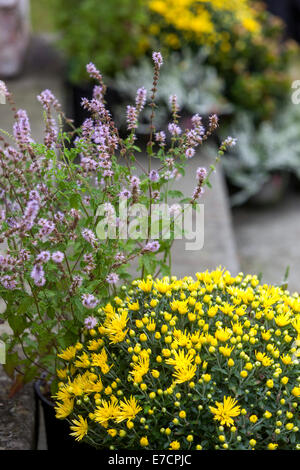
(68, 354)
(174, 445)
(163, 286)
(174, 354)
(223, 334)
(61, 373)
(272, 446)
(283, 319)
(141, 367)
(79, 428)
(226, 411)
(115, 327)
(296, 325)
(64, 409)
(266, 335)
(253, 419)
(95, 344)
(83, 361)
(128, 409)
(286, 359)
(144, 441)
(146, 286)
(264, 359)
(106, 411)
(195, 19)
(134, 306)
(100, 360)
(180, 359)
(184, 374)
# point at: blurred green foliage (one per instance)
(107, 33)
(42, 16)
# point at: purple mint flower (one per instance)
(40, 282)
(190, 152)
(140, 100)
(24, 255)
(229, 142)
(21, 129)
(213, 121)
(125, 194)
(154, 176)
(8, 282)
(89, 236)
(197, 120)
(160, 138)
(59, 216)
(152, 246)
(3, 89)
(34, 196)
(37, 274)
(131, 117)
(30, 213)
(157, 59)
(174, 103)
(119, 258)
(135, 182)
(199, 191)
(58, 257)
(98, 92)
(89, 301)
(112, 278)
(90, 322)
(43, 257)
(47, 227)
(47, 99)
(174, 129)
(201, 174)
(93, 71)
(87, 128)
(77, 282)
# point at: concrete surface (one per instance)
(267, 240)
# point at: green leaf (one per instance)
(17, 323)
(12, 361)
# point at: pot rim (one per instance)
(37, 387)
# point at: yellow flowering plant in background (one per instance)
(202, 21)
(210, 362)
(243, 41)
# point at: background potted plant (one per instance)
(236, 50)
(56, 267)
(111, 34)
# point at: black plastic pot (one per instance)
(57, 431)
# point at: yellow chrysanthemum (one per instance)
(79, 428)
(63, 410)
(128, 409)
(224, 412)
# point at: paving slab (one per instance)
(267, 240)
(17, 431)
(219, 247)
